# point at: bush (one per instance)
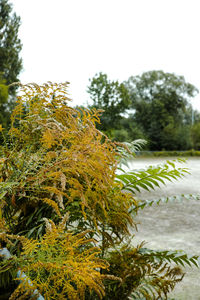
(66, 215)
(120, 135)
(164, 153)
(176, 153)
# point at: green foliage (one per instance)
(154, 106)
(10, 62)
(110, 96)
(120, 135)
(8, 272)
(129, 131)
(195, 134)
(4, 114)
(127, 152)
(10, 44)
(66, 211)
(151, 177)
(3, 92)
(160, 101)
(178, 198)
(169, 153)
(132, 128)
(144, 273)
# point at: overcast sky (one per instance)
(72, 40)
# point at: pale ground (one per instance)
(173, 225)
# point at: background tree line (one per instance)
(154, 106)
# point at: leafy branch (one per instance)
(151, 177)
(178, 198)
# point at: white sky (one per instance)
(72, 40)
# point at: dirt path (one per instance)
(174, 225)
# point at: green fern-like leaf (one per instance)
(178, 257)
(128, 150)
(150, 178)
(178, 198)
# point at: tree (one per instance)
(160, 101)
(110, 96)
(10, 44)
(195, 135)
(4, 115)
(10, 62)
(129, 130)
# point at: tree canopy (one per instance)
(3, 102)
(10, 61)
(110, 96)
(10, 44)
(160, 101)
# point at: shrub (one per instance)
(174, 153)
(57, 169)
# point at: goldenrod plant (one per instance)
(67, 215)
(61, 265)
